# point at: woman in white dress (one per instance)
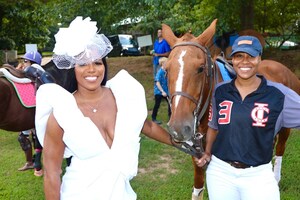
(98, 126)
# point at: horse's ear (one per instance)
(168, 35)
(206, 37)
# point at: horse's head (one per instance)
(189, 70)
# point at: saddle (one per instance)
(38, 75)
(34, 73)
(26, 82)
(227, 65)
(13, 74)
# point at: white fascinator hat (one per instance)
(79, 44)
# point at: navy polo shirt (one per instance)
(246, 128)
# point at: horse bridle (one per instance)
(196, 149)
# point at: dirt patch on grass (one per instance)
(163, 164)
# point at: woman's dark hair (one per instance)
(106, 71)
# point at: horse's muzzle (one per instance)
(181, 132)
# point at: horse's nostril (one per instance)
(187, 129)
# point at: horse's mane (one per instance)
(64, 77)
(187, 37)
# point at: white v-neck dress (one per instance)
(96, 171)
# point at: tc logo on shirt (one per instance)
(257, 114)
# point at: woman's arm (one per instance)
(210, 138)
(53, 156)
(156, 132)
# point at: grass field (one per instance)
(164, 172)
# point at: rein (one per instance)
(196, 148)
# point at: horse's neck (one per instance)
(63, 77)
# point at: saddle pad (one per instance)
(25, 92)
(225, 74)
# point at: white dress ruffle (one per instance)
(96, 171)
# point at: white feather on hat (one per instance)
(79, 42)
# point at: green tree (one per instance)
(25, 22)
(36, 21)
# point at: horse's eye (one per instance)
(200, 69)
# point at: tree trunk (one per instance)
(247, 14)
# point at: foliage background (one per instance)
(36, 21)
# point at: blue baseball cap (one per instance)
(247, 44)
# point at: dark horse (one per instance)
(13, 115)
(192, 74)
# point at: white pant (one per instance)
(225, 182)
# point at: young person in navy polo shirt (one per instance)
(246, 115)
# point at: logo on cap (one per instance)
(245, 42)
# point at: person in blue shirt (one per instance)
(245, 116)
(161, 49)
(160, 89)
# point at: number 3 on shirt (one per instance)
(225, 112)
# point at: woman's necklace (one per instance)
(93, 108)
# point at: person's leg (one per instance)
(221, 181)
(38, 156)
(169, 108)
(259, 183)
(25, 144)
(156, 107)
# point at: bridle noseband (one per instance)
(196, 149)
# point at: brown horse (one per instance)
(192, 74)
(13, 115)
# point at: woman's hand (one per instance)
(203, 161)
